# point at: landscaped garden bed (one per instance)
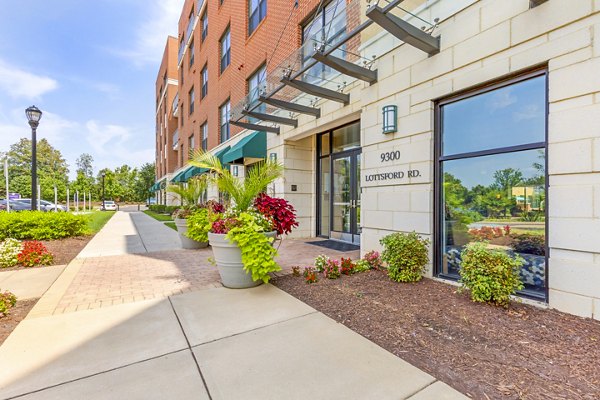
(9, 322)
(484, 351)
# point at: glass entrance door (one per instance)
(345, 205)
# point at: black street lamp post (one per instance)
(33, 116)
(103, 206)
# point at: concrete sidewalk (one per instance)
(258, 343)
(131, 233)
(30, 283)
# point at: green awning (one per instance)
(179, 177)
(153, 188)
(219, 154)
(252, 146)
(193, 171)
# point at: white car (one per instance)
(109, 205)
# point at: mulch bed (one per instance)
(16, 314)
(485, 352)
(63, 250)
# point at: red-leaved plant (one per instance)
(34, 253)
(347, 266)
(223, 225)
(279, 211)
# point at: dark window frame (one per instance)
(260, 11)
(204, 20)
(203, 128)
(224, 126)
(204, 82)
(439, 160)
(191, 100)
(225, 56)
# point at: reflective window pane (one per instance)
(346, 138)
(325, 195)
(324, 144)
(509, 116)
(499, 199)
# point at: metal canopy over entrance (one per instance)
(333, 55)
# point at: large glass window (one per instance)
(224, 112)
(257, 10)
(225, 50)
(191, 145)
(192, 53)
(492, 177)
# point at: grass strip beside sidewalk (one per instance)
(157, 216)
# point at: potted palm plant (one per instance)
(190, 198)
(242, 235)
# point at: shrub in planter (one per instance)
(320, 262)
(281, 212)
(7, 301)
(198, 225)
(347, 266)
(406, 256)
(491, 275)
(9, 251)
(34, 253)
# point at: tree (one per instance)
(145, 179)
(506, 179)
(52, 169)
(84, 165)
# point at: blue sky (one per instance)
(90, 66)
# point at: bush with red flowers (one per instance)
(347, 266)
(310, 275)
(332, 269)
(34, 253)
(279, 211)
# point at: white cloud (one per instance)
(115, 145)
(530, 111)
(160, 20)
(53, 127)
(501, 99)
(19, 83)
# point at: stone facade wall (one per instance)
(481, 42)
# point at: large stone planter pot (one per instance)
(228, 257)
(186, 242)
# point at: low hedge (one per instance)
(39, 225)
(162, 209)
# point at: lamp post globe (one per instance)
(34, 115)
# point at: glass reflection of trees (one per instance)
(508, 212)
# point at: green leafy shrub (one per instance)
(198, 224)
(257, 252)
(491, 275)
(362, 266)
(7, 301)
(406, 256)
(9, 252)
(38, 225)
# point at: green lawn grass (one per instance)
(158, 217)
(98, 219)
(171, 225)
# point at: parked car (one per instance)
(15, 205)
(109, 205)
(44, 205)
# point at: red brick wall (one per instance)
(168, 66)
(247, 55)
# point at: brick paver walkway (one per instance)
(110, 280)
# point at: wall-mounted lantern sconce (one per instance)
(273, 157)
(234, 170)
(390, 119)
